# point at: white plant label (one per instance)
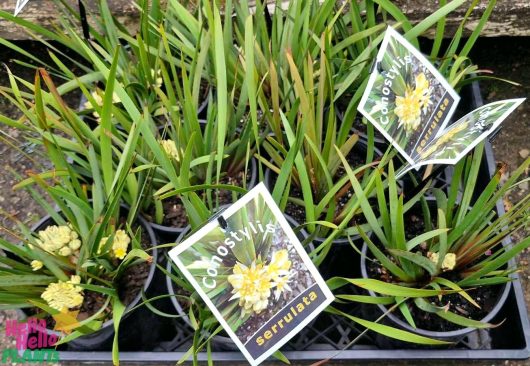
(20, 5)
(251, 270)
(409, 101)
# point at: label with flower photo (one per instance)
(254, 274)
(406, 98)
(463, 135)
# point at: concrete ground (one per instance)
(507, 57)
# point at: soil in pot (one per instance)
(486, 297)
(174, 210)
(174, 220)
(238, 179)
(174, 213)
(362, 129)
(225, 196)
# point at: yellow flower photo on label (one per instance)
(408, 110)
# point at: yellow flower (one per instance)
(65, 251)
(408, 110)
(278, 270)
(170, 148)
(62, 240)
(423, 91)
(76, 280)
(97, 95)
(64, 295)
(74, 244)
(119, 245)
(448, 136)
(156, 76)
(252, 286)
(98, 99)
(282, 285)
(448, 263)
(36, 265)
(279, 264)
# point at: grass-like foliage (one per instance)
(462, 246)
(91, 240)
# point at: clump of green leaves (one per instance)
(104, 240)
(464, 248)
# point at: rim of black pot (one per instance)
(501, 299)
(169, 282)
(152, 267)
(340, 240)
(178, 230)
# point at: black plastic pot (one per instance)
(450, 336)
(132, 323)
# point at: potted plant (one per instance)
(93, 247)
(452, 275)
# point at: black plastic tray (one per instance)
(328, 335)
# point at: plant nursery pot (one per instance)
(341, 260)
(221, 342)
(362, 147)
(393, 320)
(135, 327)
(170, 233)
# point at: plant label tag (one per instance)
(406, 98)
(19, 6)
(411, 103)
(249, 267)
(463, 135)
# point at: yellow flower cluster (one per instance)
(423, 91)
(120, 244)
(64, 295)
(253, 285)
(97, 95)
(36, 265)
(61, 240)
(170, 148)
(408, 107)
(449, 261)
